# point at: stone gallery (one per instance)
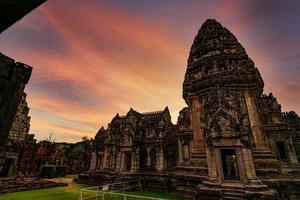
(232, 141)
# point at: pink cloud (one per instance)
(111, 59)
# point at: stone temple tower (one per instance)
(222, 87)
(231, 142)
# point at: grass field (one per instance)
(71, 192)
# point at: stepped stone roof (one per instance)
(217, 58)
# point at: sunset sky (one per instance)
(92, 59)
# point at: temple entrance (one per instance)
(281, 151)
(143, 158)
(153, 159)
(229, 164)
(6, 167)
(127, 161)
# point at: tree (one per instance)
(77, 153)
(50, 138)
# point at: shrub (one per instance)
(47, 171)
(60, 171)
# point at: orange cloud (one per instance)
(119, 81)
(111, 59)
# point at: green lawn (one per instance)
(71, 192)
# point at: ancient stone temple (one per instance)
(231, 118)
(135, 143)
(232, 141)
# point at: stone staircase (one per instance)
(263, 153)
(233, 193)
(187, 178)
(198, 157)
(185, 192)
(199, 153)
(266, 165)
(290, 169)
(186, 185)
(265, 162)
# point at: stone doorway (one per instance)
(6, 168)
(230, 167)
(282, 155)
(127, 161)
(143, 158)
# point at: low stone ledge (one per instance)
(28, 184)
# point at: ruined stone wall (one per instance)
(13, 78)
(21, 124)
(27, 158)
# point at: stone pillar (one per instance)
(105, 158)
(160, 159)
(137, 160)
(1, 162)
(13, 169)
(100, 161)
(190, 146)
(148, 158)
(211, 165)
(292, 151)
(195, 112)
(133, 163)
(118, 162)
(93, 161)
(186, 151)
(255, 123)
(180, 159)
(249, 164)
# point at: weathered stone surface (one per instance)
(217, 58)
(21, 123)
(13, 78)
(27, 156)
(13, 108)
(25, 184)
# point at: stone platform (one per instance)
(9, 185)
(235, 191)
(180, 184)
